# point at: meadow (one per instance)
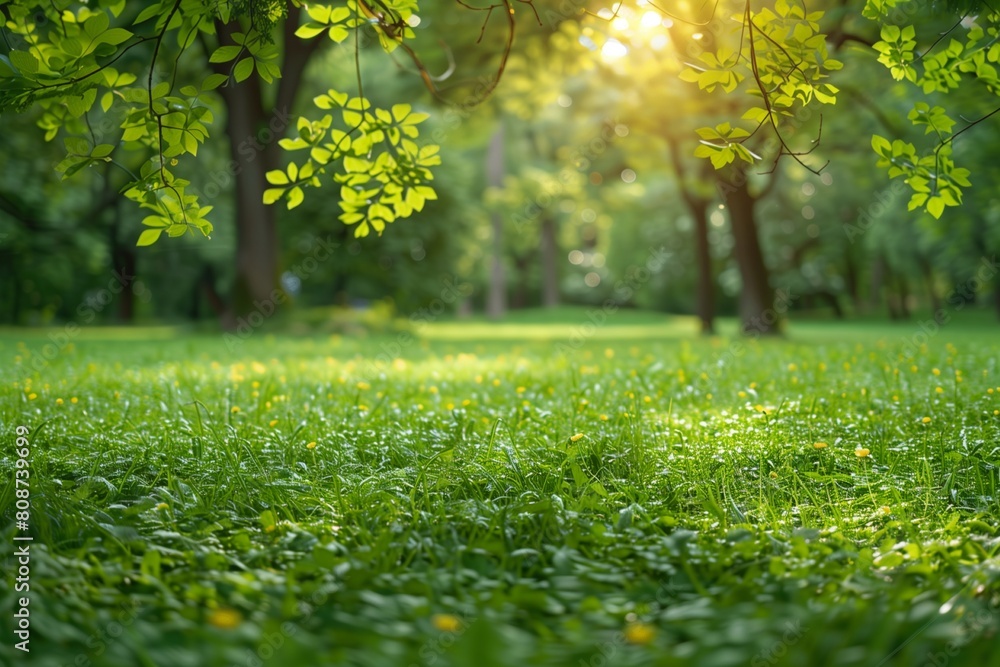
(543, 493)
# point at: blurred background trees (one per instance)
(554, 190)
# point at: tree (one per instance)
(63, 56)
(760, 70)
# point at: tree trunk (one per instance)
(705, 295)
(904, 297)
(256, 235)
(206, 286)
(928, 273)
(853, 283)
(125, 261)
(496, 305)
(698, 207)
(833, 301)
(757, 308)
(879, 281)
(521, 264)
(891, 301)
(253, 132)
(123, 257)
(550, 263)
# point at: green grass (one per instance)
(493, 498)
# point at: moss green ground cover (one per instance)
(488, 497)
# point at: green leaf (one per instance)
(319, 13)
(102, 150)
(401, 111)
(224, 54)
(160, 90)
(338, 34)
(309, 30)
(890, 33)
(115, 36)
(355, 165)
(77, 145)
(935, 206)
(148, 13)
(723, 157)
(149, 237)
(277, 177)
(881, 146)
(243, 69)
(24, 61)
(96, 24)
(213, 81)
(755, 114)
(134, 133)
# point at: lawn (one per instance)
(538, 493)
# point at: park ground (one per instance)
(536, 492)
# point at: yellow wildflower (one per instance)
(225, 618)
(446, 622)
(639, 633)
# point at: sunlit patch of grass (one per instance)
(665, 496)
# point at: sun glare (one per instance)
(613, 50)
(651, 19)
(643, 24)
